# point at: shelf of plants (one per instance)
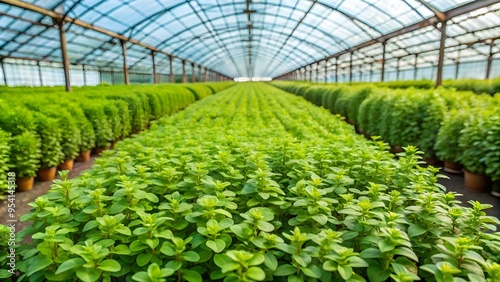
(459, 127)
(256, 184)
(42, 128)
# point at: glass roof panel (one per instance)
(264, 38)
(445, 5)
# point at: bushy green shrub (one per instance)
(95, 113)
(480, 142)
(4, 162)
(357, 97)
(256, 202)
(475, 85)
(447, 142)
(25, 154)
(24, 158)
(70, 129)
(200, 91)
(403, 84)
(87, 135)
(50, 139)
(472, 142)
(219, 86)
(341, 105)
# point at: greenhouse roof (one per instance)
(244, 38)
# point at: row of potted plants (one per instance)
(454, 126)
(477, 86)
(255, 184)
(50, 129)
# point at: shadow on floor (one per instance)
(456, 183)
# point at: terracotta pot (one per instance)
(83, 157)
(452, 167)
(25, 184)
(475, 182)
(432, 160)
(98, 151)
(66, 165)
(396, 149)
(46, 174)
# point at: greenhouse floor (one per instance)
(454, 183)
(39, 189)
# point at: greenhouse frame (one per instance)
(250, 140)
(53, 42)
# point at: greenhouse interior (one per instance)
(255, 140)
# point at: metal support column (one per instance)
(317, 72)
(398, 70)
(415, 68)
(126, 78)
(489, 60)
(100, 75)
(336, 70)
(184, 76)
(40, 72)
(155, 75)
(3, 72)
(350, 67)
(193, 72)
(382, 74)
(205, 75)
(442, 29)
(112, 76)
(457, 65)
(84, 76)
(65, 57)
(171, 69)
(371, 72)
(326, 71)
(310, 73)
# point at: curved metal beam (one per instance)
(329, 35)
(271, 33)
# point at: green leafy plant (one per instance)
(25, 154)
(447, 142)
(4, 161)
(284, 190)
(473, 143)
(50, 140)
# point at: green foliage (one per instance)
(86, 130)
(357, 97)
(410, 116)
(7, 259)
(447, 142)
(25, 154)
(5, 144)
(480, 142)
(475, 85)
(95, 112)
(70, 124)
(50, 141)
(200, 91)
(255, 184)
